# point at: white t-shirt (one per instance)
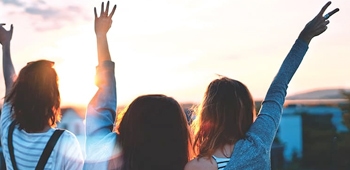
(28, 147)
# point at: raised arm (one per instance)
(266, 125)
(7, 65)
(102, 107)
(255, 149)
(101, 110)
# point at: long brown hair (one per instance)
(154, 134)
(35, 97)
(223, 117)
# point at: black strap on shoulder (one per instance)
(213, 157)
(44, 156)
(48, 149)
(10, 145)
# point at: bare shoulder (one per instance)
(201, 164)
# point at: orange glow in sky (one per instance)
(176, 47)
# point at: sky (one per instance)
(177, 47)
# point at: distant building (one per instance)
(291, 136)
(337, 114)
(73, 121)
(290, 132)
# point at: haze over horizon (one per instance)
(178, 47)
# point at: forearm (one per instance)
(102, 49)
(8, 68)
(101, 111)
(279, 85)
(269, 117)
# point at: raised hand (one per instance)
(104, 21)
(102, 24)
(318, 25)
(5, 36)
(7, 65)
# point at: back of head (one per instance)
(154, 134)
(35, 97)
(223, 117)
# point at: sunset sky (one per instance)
(176, 47)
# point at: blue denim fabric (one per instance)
(253, 152)
(100, 118)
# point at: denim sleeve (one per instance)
(253, 152)
(101, 110)
(268, 120)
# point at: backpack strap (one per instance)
(48, 149)
(44, 156)
(10, 145)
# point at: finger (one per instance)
(11, 29)
(102, 8)
(328, 15)
(113, 10)
(324, 8)
(95, 12)
(326, 23)
(2, 24)
(322, 25)
(320, 30)
(107, 8)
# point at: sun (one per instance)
(75, 60)
(76, 84)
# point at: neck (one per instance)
(46, 128)
(225, 151)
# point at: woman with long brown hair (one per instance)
(30, 112)
(228, 135)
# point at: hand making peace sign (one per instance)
(318, 25)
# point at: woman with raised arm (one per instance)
(101, 111)
(29, 115)
(153, 132)
(228, 135)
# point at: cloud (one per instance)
(45, 13)
(49, 15)
(13, 2)
(55, 18)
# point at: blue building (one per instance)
(290, 132)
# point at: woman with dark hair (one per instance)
(153, 132)
(29, 115)
(228, 135)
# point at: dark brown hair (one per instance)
(224, 116)
(35, 97)
(154, 134)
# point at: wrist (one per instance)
(101, 35)
(5, 44)
(306, 39)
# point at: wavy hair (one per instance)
(223, 117)
(154, 134)
(35, 97)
